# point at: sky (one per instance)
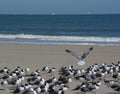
(60, 6)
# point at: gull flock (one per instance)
(45, 81)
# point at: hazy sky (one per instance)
(59, 6)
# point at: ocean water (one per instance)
(61, 29)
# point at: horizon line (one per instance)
(58, 14)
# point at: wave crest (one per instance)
(61, 38)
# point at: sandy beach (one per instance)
(35, 56)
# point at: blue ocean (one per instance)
(99, 29)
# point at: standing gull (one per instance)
(80, 59)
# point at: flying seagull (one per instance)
(80, 59)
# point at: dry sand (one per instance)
(35, 56)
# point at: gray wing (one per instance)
(73, 54)
(86, 53)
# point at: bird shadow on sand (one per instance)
(1, 89)
(113, 93)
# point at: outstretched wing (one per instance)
(86, 53)
(73, 54)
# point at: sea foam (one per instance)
(61, 38)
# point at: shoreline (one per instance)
(60, 43)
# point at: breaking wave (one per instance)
(62, 38)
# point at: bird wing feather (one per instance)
(77, 57)
(83, 57)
